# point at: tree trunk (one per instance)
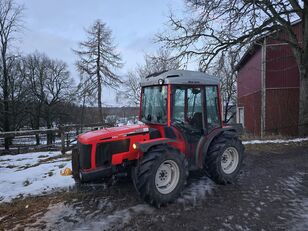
(303, 102)
(37, 123)
(49, 134)
(99, 87)
(226, 112)
(82, 113)
(99, 97)
(6, 125)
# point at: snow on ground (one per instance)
(118, 219)
(196, 192)
(53, 218)
(278, 141)
(25, 160)
(32, 174)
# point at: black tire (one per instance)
(213, 159)
(143, 175)
(75, 165)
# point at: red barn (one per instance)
(268, 87)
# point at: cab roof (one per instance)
(181, 77)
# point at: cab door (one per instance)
(188, 115)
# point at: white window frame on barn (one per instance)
(238, 116)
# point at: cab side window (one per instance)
(179, 104)
(212, 110)
(194, 104)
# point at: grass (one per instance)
(26, 183)
(47, 160)
(11, 166)
(247, 137)
(42, 156)
(54, 158)
(275, 147)
(61, 165)
(50, 173)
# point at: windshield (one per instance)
(154, 105)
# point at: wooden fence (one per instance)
(63, 138)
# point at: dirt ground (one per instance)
(271, 194)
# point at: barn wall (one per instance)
(249, 95)
(281, 67)
(252, 112)
(281, 83)
(282, 89)
(282, 111)
(249, 76)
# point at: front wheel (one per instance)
(160, 175)
(224, 159)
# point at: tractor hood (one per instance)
(108, 133)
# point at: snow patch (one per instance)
(51, 218)
(24, 175)
(278, 141)
(23, 160)
(298, 206)
(118, 219)
(197, 191)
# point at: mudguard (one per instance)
(205, 142)
(144, 146)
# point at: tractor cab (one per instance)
(183, 105)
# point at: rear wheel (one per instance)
(160, 175)
(224, 159)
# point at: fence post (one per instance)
(67, 140)
(62, 141)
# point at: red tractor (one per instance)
(182, 131)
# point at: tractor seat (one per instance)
(196, 120)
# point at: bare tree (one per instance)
(161, 61)
(18, 93)
(224, 68)
(97, 59)
(10, 19)
(88, 97)
(214, 26)
(50, 84)
(34, 71)
(130, 93)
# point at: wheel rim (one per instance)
(229, 160)
(167, 176)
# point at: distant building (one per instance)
(268, 87)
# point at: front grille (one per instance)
(105, 150)
(85, 155)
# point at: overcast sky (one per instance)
(55, 27)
